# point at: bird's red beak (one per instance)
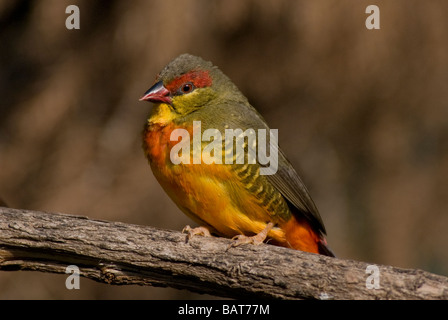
(157, 94)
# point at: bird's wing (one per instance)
(285, 180)
(290, 185)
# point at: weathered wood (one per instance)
(119, 254)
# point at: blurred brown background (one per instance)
(363, 116)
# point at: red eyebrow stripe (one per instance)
(200, 79)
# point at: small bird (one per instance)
(226, 199)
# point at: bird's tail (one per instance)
(301, 236)
(324, 249)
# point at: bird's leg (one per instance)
(191, 232)
(256, 239)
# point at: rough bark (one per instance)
(120, 254)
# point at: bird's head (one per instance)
(185, 85)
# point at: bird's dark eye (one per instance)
(186, 88)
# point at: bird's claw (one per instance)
(191, 232)
(255, 240)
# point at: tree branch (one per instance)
(119, 254)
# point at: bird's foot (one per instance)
(199, 231)
(255, 240)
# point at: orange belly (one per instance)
(204, 192)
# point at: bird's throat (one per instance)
(161, 114)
